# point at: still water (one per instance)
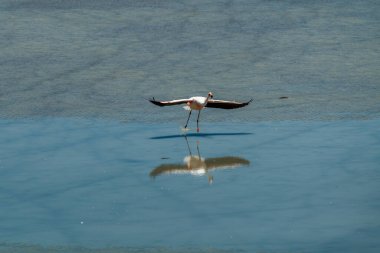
(89, 165)
(283, 186)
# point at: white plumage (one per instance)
(198, 103)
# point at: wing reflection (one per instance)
(198, 166)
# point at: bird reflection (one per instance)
(196, 165)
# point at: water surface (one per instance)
(308, 187)
(102, 58)
(89, 165)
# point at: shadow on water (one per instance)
(197, 135)
(197, 165)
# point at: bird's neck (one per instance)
(208, 97)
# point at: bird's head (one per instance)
(210, 95)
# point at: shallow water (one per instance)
(89, 165)
(308, 187)
(101, 58)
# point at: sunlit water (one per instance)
(89, 165)
(101, 58)
(307, 187)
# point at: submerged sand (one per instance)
(104, 58)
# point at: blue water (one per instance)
(79, 142)
(308, 187)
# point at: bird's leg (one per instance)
(188, 146)
(188, 119)
(199, 154)
(199, 112)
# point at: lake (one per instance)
(89, 165)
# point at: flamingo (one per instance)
(197, 165)
(198, 103)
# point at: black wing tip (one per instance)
(244, 103)
(153, 101)
(247, 103)
(153, 174)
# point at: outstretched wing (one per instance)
(168, 169)
(223, 104)
(225, 162)
(171, 102)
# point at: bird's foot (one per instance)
(210, 179)
(198, 130)
(185, 129)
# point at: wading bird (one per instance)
(198, 103)
(196, 165)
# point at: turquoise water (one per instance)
(89, 165)
(308, 187)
